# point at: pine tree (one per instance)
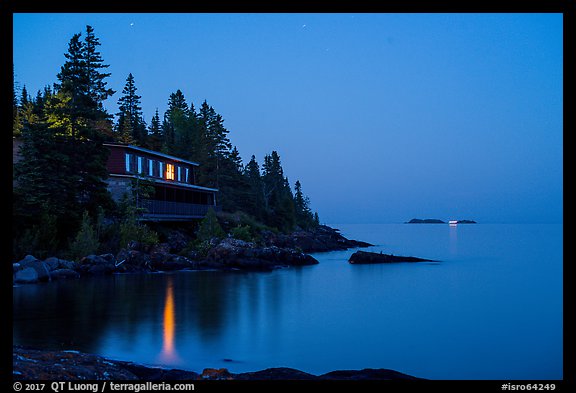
(130, 114)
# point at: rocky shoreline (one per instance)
(278, 250)
(34, 364)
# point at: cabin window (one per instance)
(150, 167)
(160, 169)
(169, 172)
(128, 159)
(187, 175)
(179, 173)
(140, 162)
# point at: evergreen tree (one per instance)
(63, 168)
(278, 198)
(303, 215)
(209, 227)
(86, 241)
(213, 145)
(255, 202)
(234, 190)
(16, 125)
(176, 129)
(130, 115)
(25, 97)
(97, 89)
(155, 133)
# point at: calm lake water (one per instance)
(491, 308)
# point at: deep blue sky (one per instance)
(382, 117)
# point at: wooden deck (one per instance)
(173, 211)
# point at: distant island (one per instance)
(437, 221)
(425, 221)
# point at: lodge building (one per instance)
(176, 196)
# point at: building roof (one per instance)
(152, 152)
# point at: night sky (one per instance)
(382, 117)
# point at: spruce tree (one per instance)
(155, 133)
(303, 214)
(177, 133)
(130, 115)
(278, 198)
(64, 161)
(255, 204)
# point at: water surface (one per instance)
(491, 308)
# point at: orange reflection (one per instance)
(169, 323)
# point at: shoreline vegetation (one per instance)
(225, 252)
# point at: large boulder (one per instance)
(54, 263)
(64, 273)
(26, 276)
(97, 265)
(239, 254)
(30, 262)
(130, 261)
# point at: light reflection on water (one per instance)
(490, 309)
(168, 354)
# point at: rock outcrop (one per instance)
(364, 257)
(39, 365)
(321, 239)
(273, 251)
(233, 253)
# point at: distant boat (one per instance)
(453, 223)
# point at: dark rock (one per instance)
(216, 374)
(33, 364)
(131, 261)
(42, 270)
(367, 374)
(276, 373)
(364, 257)
(466, 222)
(177, 241)
(239, 254)
(27, 275)
(321, 239)
(54, 263)
(64, 273)
(97, 265)
(425, 221)
(158, 374)
(173, 262)
(30, 364)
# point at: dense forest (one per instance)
(61, 205)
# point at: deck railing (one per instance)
(159, 210)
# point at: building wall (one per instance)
(118, 186)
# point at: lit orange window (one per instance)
(169, 172)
